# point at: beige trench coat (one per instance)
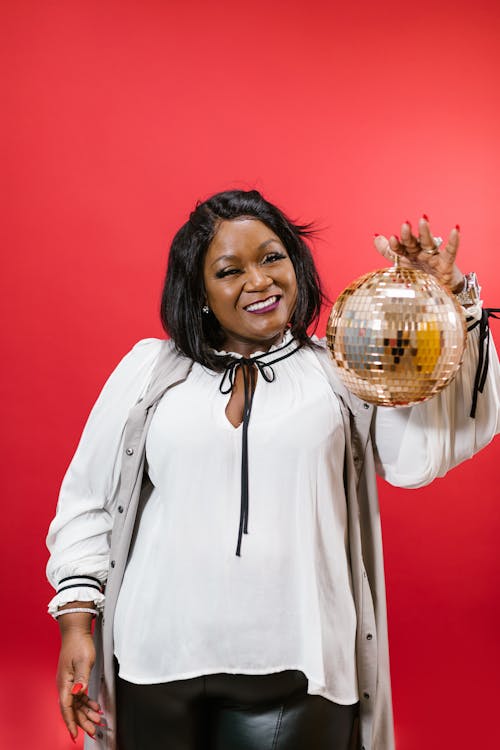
(365, 544)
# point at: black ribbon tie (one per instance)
(484, 352)
(249, 367)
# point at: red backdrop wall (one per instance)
(117, 117)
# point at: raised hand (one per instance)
(421, 252)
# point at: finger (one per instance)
(67, 710)
(383, 246)
(93, 704)
(84, 718)
(88, 711)
(80, 681)
(425, 238)
(408, 240)
(396, 246)
(91, 711)
(451, 248)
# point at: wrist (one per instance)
(470, 293)
(458, 286)
(75, 621)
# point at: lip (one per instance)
(268, 308)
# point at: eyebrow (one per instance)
(230, 257)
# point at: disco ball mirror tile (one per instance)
(396, 336)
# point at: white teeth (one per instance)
(261, 305)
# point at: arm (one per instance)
(415, 445)
(79, 535)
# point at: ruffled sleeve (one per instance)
(79, 535)
(414, 445)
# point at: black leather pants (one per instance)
(232, 712)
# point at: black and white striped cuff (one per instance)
(72, 582)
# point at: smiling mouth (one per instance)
(264, 305)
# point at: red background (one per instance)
(117, 117)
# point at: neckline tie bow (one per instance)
(263, 363)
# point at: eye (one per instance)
(273, 257)
(226, 272)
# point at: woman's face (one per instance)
(250, 285)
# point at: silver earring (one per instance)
(205, 309)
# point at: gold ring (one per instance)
(434, 250)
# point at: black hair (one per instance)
(197, 334)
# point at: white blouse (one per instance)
(412, 446)
(188, 605)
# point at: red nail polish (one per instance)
(408, 222)
(73, 739)
(457, 226)
(101, 712)
(90, 735)
(76, 688)
(396, 236)
(376, 234)
(424, 216)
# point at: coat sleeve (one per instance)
(79, 535)
(414, 445)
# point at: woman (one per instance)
(224, 494)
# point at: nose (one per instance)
(258, 278)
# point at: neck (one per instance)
(248, 348)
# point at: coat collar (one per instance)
(171, 368)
